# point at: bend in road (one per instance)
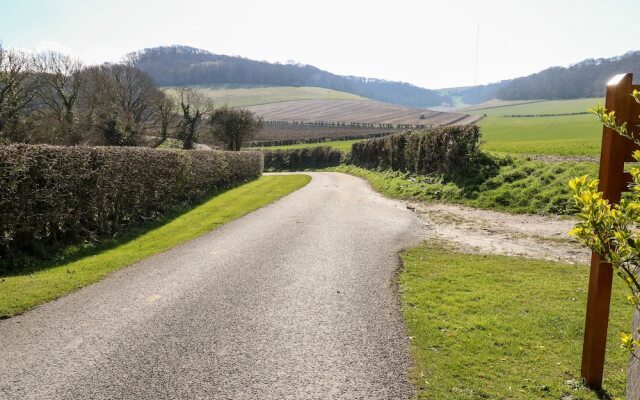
(294, 301)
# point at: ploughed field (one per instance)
(283, 132)
(345, 119)
(359, 111)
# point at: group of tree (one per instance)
(53, 98)
(584, 79)
(182, 65)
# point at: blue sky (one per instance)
(428, 43)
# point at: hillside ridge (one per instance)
(182, 65)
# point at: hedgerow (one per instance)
(442, 150)
(300, 159)
(51, 196)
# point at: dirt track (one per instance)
(482, 231)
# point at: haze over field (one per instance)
(408, 41)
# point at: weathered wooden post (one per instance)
(600, 275)
(616, 150)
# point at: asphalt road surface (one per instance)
(294, 301)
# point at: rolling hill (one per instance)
(187, 66)
(246, 95)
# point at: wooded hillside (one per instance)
(182, 65)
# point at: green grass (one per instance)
(254, 95)
(342, 145)
(541, 107)
(23, 291)
(515, 185)
(571, 135)
(493, 327)
(566, 135)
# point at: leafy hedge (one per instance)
(300, 159)
(58, 195)
(441, 150)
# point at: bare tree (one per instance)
(120, 102)
(193, 106)
(59, 83)
(234, 126)
(17, 92)
(166, 115)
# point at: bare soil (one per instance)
(363, 111)
(490, 232)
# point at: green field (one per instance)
(22, 291)
(343, 145)
(494, 327)
(560, 135)
(539, 107)
(251, 96)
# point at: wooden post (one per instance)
(615, 151)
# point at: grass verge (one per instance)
(494, 327)
(21, 292)
(517, 185)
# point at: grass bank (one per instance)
(20, 292)
(513, 184)
(493, 327)
(517, 185)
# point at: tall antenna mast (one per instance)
(475, 82)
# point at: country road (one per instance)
(294, 301)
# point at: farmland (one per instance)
(243, 96)
(563, 135)
(566, 135)
(302, 132)
(363, 111)
(342, 145)
(312, 113)
(367, 116)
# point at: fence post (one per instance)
(615, 149)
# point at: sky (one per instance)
(428, 43)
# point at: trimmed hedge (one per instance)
(300, 159)
(436, 150)
(51, 196)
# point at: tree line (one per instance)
(52, 98)
(587, 78)
(584, 79)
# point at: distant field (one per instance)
(343, 145)
(364, 111)
(495, 103)
(248, 96)
(538, 107)
(559, 135)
